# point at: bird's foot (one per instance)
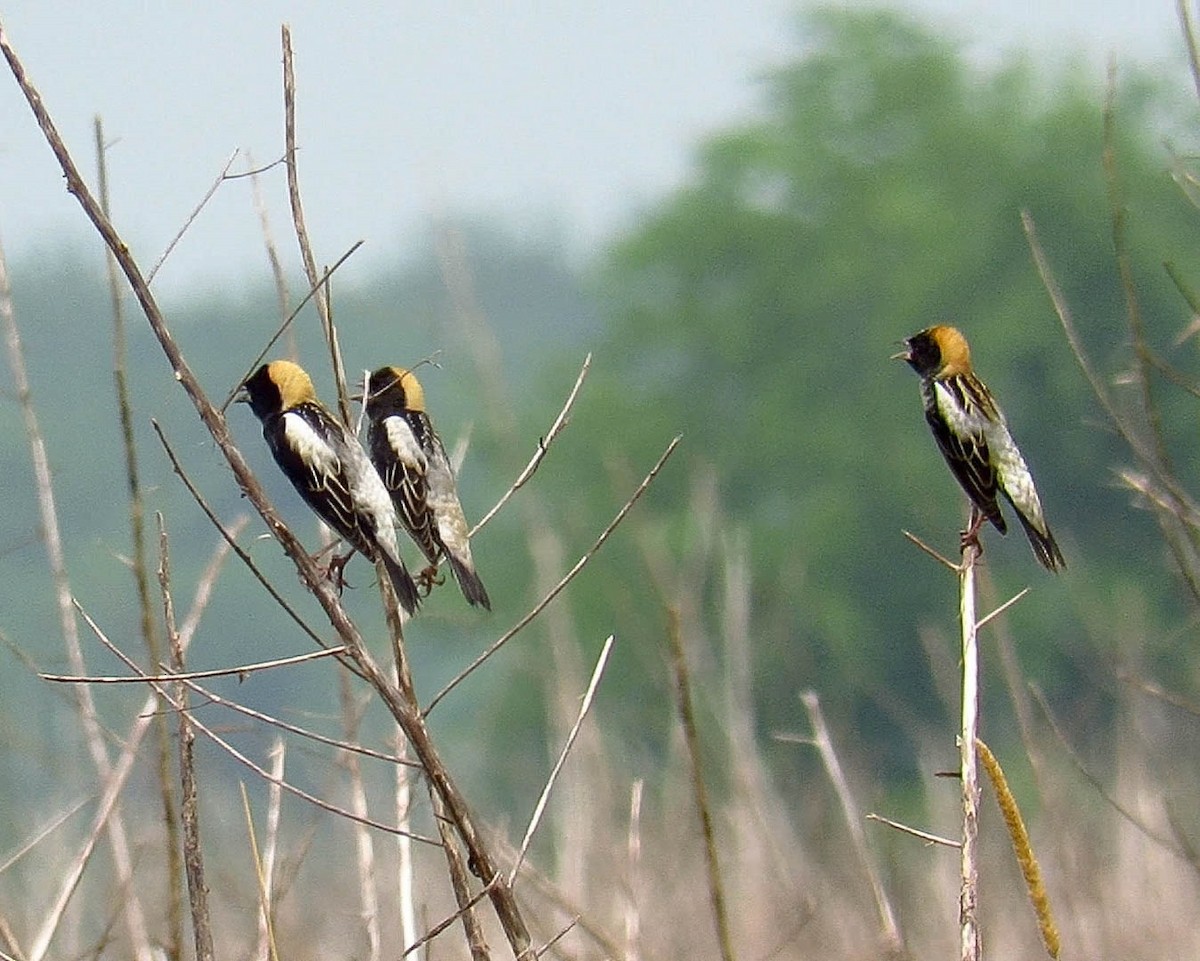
(334, 571)
(970, 537)
(428, 578)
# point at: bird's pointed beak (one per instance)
(242, 396)
(905, 354)
(355, 398)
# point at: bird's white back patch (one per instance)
(963, 421)
(402, 440)
(313, 449)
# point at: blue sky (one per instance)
(577, 113)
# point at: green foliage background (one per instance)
(878, 190)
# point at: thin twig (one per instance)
(240, 671)
(1002, 608)
(405, 868)
(301, 731)
(915, 832)
(301, 228)
(540, 807)
(1137, 330)
(566, 579)
(1164, 841)
(264, 223)
(447, 921)
(941, 559)
(216, 185)
(545, 948)
(691, 735)
(112, 790)
(287, 323)
(41, 834)
(543, 447)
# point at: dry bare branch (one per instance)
(41, 834)
(260, 876)
(287, 322)
(540, 807)
(566, 579)
(461, 886)
(364, 848)
(941, 559)
(234, 752)
(405, 868)
(193, 852)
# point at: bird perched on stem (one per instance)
(412, 461)
(973, 436)
(329, 469)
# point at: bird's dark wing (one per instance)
(970, 461)
(305, 451)
(397, 454)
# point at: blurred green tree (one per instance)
(755, 308)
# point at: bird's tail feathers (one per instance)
(402, 583)
(470, 583)
(1045, 548)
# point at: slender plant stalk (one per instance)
(892, 939)
(460, 883)
(56, 556)
(141, 574)
(406, 870)
(364, 847)
(193, 854)
(266, 949)
(687, 716)
(633, 884)
(968, 899)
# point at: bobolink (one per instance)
(412, 461)
(328, 467)
(973, 436)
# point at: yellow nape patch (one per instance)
(414, 394)
(295, 386)
(952, 345)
